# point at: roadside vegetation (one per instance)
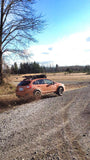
(6, 89)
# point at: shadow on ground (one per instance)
(10, 103)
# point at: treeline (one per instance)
(36, 68)
(26, 68)
(70, 69)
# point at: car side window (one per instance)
(41, 81)
(47, 81)
(36, 82)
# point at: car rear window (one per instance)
(24, 83)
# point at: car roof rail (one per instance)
(35, 76)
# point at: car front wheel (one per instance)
(60, 91)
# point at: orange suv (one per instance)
(38, 85)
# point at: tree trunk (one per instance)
(1, 74)
(1, 31)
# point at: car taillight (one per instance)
(29, 86)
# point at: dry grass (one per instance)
(78, 77)
(59, 77)
(6, 89)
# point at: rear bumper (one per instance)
(24, 94)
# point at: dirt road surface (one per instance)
(53, 128)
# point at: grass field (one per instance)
(59, 77)
(8, 98)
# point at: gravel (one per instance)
(53, 128)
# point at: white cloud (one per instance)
(71, 50)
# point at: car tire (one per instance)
(37, 94)
(60, 91)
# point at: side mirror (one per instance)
(53, 83)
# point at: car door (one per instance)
(49, 86)
(40, 85)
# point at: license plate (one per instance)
(21, 89)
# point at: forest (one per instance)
(34, 67)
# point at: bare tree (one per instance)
(18, 24)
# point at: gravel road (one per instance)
(54, 128)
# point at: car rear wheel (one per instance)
(37, 94)
(60, 91)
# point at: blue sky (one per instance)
(66, 38)
(64, 17)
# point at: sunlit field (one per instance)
(59, 77)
